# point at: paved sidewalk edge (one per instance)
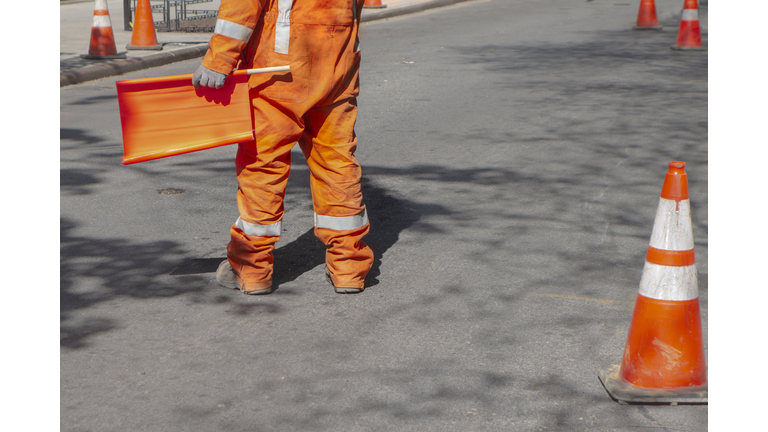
(118, 67)
(389, 13)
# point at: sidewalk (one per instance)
(76, 21)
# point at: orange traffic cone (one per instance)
(689, 34)
(646, 16)
(143, 36)
(373, 4)
(102, 38)
(663, 358)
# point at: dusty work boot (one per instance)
(340, 290)
(227, 277)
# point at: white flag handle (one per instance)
(268, 69)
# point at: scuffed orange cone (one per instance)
(646, 16)
(143, 36)
(689, 34)
(373, 4)
(102, 38)
(663, 358)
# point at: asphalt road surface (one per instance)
(513, 153)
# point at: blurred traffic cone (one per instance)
(373, 4)
(143, 36)
(102, 38)
(689, 34)
(646, 16)
(663, 358)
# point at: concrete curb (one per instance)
(109, 68)
(389, 13)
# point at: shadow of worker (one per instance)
(388, 216)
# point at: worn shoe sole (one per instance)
(226, 277)
(340, 290)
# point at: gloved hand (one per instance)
(207, 78)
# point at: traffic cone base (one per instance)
(625, 393)
(685, 48)
(658, 27)
(151, 47)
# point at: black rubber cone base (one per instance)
(685, 48)
(150, 47)
(625, 393)
(107, 57)
(647, 28)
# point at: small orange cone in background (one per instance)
(646, 16)
(143, 36)
(663, 358)
(373, 4)
(689, 34)
(102, 38)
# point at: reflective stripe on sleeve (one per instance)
(345, 223)
(233, 30)
(272, 230)
(283, 26)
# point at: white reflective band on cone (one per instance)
(283, 26)
(101, 21)
(672, 228)
(345, 223)
(669, 283)
(690, 15)
(233, 30)
(272, 230)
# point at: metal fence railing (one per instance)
(170, 19)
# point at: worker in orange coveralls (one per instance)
(315, 104)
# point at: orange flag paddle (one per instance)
(168, 116)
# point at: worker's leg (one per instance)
(341, 219)
(262, 172)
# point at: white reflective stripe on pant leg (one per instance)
(272, 230)
(283, 26)
(233, 30)
(345, 223)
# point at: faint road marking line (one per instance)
(603, 301)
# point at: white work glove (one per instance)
(207, 78)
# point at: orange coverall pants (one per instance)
(315, 104)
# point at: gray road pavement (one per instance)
(513, 154)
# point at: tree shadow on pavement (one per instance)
(96, 270)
